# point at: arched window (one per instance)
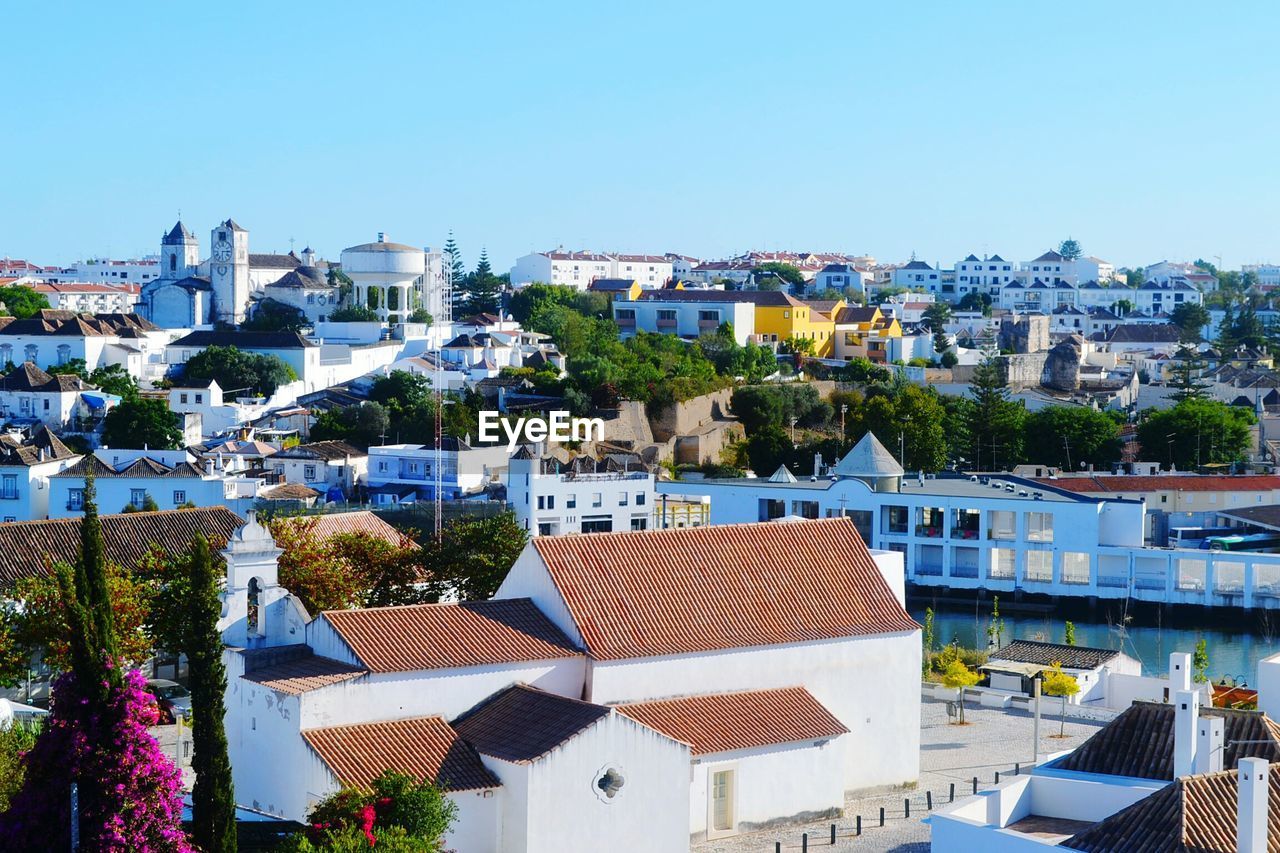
(31, 352)
(64, 353)
(393, 299)
(252, 622)
(373, 298)
(6, 354)
(173, 263)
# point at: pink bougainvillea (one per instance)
(130, 793)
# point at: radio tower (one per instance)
(446, 311)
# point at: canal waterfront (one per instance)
(1235, 645)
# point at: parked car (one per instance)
(174, 699)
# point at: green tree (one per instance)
(142, 422)
(337, 278)
(363, 425)
(238, 372)
(1069, 249)
(421, 315)
(86, 599)
(484, 289)
(957, 676)
(768, 448)
(1069, 630)
(975, 302)
(1190, 318)
(995, 425)
(453, 261)
(1134, 277)
(1200, 662)
(1194, 433)
(778, 270)
(213, 798)
(21, 301)
(995, 626)
(1058, 683)
(354, 314)
(1227, 341)
(1122, 307)
(927, 638)
(936, 316)
(1185, 381)
(909, 421)
(1069, 437)
(474, 555)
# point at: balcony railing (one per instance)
(929, 531)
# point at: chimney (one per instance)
(1179, 672)
(817, 464)
(1186, 716)
(1252, 774)
(1208, 757)
(382, 237)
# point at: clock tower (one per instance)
(229, 272)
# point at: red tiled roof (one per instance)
(1165, 483)
(522, 723)
(331, 524)
(667, 592)
(423, 747)
(27, 546)
(723, 722)
(295, 669)
(444, 636)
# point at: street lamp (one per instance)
(844, 407)
(793, 431)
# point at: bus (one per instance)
(1193, 537)
(1250, 542)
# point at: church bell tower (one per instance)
(229, 273)
(179, 253)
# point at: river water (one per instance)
(1234, 652)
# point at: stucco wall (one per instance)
(773, 784)
(689, 416)
(872, 684)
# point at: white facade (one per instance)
(90, 298)
(1268, 274)
(24, 488)
(917, 275)
(206, 485)
(983, 276)
(686, 319)
(229, 272)
(108, 272)
(579, 269)
(406, 473)
(549, 504)
(388, 278)
(318, 468)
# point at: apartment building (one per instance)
(406, 473)
(579, 269)
(584, 495)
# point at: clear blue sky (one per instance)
(1144, 130)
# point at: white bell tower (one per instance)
(229, 272)
(179, 253)
(256, 610)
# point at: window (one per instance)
(1075, 567)
(895, 519)
(31, 352)
(639, 523)
(666, 315)
(1003, 563)
(597, 499)
(182, 398)
(551, 501)
(173, 263)
(9, 487)
(179, 498)
(137, 497)
(571, 501)
(542, 502)
(251, 607)
(1002, 524)
(1040, 527)
(75, 499)
(544, 528)
(597, 525)
(708, 316)
(1040, 566)
(309, 472)
(199, 398)
(639, 498)
(625, 313)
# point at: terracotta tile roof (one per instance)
(723, 722)
(1047, 654)
(444, 636)
(25, 546)
(1139, 742)
(665, 592)
(1195, 813)
(328, 450)
(291, 492)
(362, 521)
(523, 723)
(295, 669)
(1165, 483)
(424, 747)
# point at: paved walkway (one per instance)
(991, 741)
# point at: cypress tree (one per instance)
(484, 291)
(94, 651)
(213, 797)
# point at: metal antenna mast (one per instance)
(446, 310)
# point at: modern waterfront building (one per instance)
(583, 496)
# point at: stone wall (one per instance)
(691, 415)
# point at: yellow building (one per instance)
(624, 289)
(864, 333)
(780, 316)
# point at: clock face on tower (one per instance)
(222, 251)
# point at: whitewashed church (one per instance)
(190, 292)
(659, 686)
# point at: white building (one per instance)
(1050, 268)
(25, 469)
(326, 466)
(620, 702)
(29, 395)
(986, 276)
(583, 496)
(1268, 274)
(130, 274)
(389, 278)
(90, 298)
(690, 313)
(917, 275)
(1165, 295)
(1089, 268)
(306, 289)
(131, 477)
(55, 338)
(579, 269)
(1013, 667)
(406, 473)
